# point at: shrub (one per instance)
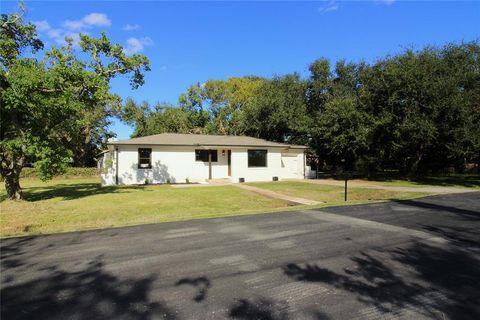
(70, 172)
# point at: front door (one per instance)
(229, 161)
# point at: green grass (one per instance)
(457, 181)
(62, 205)
(333, 195)
(79, 204)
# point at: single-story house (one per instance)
(180, 158)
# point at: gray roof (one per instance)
(179, 139)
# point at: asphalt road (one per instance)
(416, 259)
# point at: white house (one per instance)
(178, 158)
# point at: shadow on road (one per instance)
(440, 282)
(201, 283)
(471, 214)
(261, 309)
(91, 293)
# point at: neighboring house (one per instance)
(177, 158)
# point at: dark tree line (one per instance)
(414, 112)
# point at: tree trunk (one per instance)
(413, 172)
(12, 185)
(11, 175)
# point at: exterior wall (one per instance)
(176, 164)
(280, 163)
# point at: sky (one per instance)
(192, 42)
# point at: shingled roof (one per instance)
(179, 139)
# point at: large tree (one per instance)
(48, 101)
(414, 112)
(340, 129)
(425, 107)
(278, 111)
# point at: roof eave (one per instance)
(115, 143)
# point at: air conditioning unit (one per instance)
(241, 180)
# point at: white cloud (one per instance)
(73, 28)
(97, 19)
(42, 25)
(54, 33)
(58, 34)
(329, 7)
(137, 45)
(130, 27)
(90, 20)
(73, 24)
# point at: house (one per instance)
(178, 158)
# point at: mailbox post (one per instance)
(346, 177)
(346, 182)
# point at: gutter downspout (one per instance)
(209, 164)
(116, 165)
(304, 163)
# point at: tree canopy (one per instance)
(414, 112)
(57, 103)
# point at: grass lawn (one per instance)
(457, 181)
(75, 204)
(79, 204)
(333, 195)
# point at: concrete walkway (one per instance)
(275, 195)
(372, 185)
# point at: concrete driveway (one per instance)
(416, 259)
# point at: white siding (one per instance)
(175, 164)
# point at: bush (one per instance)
(71, 172)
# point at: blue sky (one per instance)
(190, 42)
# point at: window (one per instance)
(202, 155)
(144, 158)
(257, 158)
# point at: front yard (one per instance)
(334, 195)
(76, 204)
(79, 204)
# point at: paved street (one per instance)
(414, 259)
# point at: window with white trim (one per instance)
(144, 158)
(257, 158)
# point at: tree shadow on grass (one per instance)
(444, 280)
(467, 180)
(91, 293)
(75, 191)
